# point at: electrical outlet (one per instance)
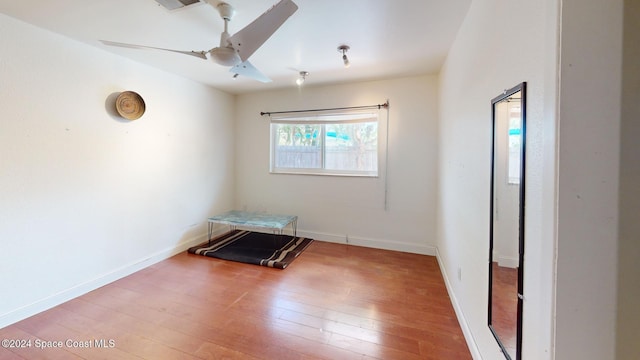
(459, 273)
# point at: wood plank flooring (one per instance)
(504, 305)
(334, 302)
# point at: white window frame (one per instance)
(324, 118)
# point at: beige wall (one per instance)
(628, 326)
(588, 186)
(574, 219)
(500, 44)
(334, 208)
(87, 197)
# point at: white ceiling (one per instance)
(388, 38)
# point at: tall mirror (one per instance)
(506, 233)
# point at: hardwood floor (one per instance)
(334, 302)
(504, 303)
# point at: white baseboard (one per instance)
(464, 325)
(128, 269)
(509, 262)
(371, 243)
(90, 285)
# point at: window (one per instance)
(515, 141)
(330, 144)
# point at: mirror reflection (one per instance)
(507, 220)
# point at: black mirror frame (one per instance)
(507, 93)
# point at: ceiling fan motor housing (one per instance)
(224, 55)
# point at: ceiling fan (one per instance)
(235, 50)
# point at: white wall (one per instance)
(330, 208)
(86, 196)
(500, 44)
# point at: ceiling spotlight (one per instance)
(302, 78)
(343, 49)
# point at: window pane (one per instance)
(351, 146)
(297, 146)
(515, 137)
(327, 144)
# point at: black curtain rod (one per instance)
(378, 106)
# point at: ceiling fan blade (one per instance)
(252, 36)
(198, 54)
(246, 69)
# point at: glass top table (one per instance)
(236, 218)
